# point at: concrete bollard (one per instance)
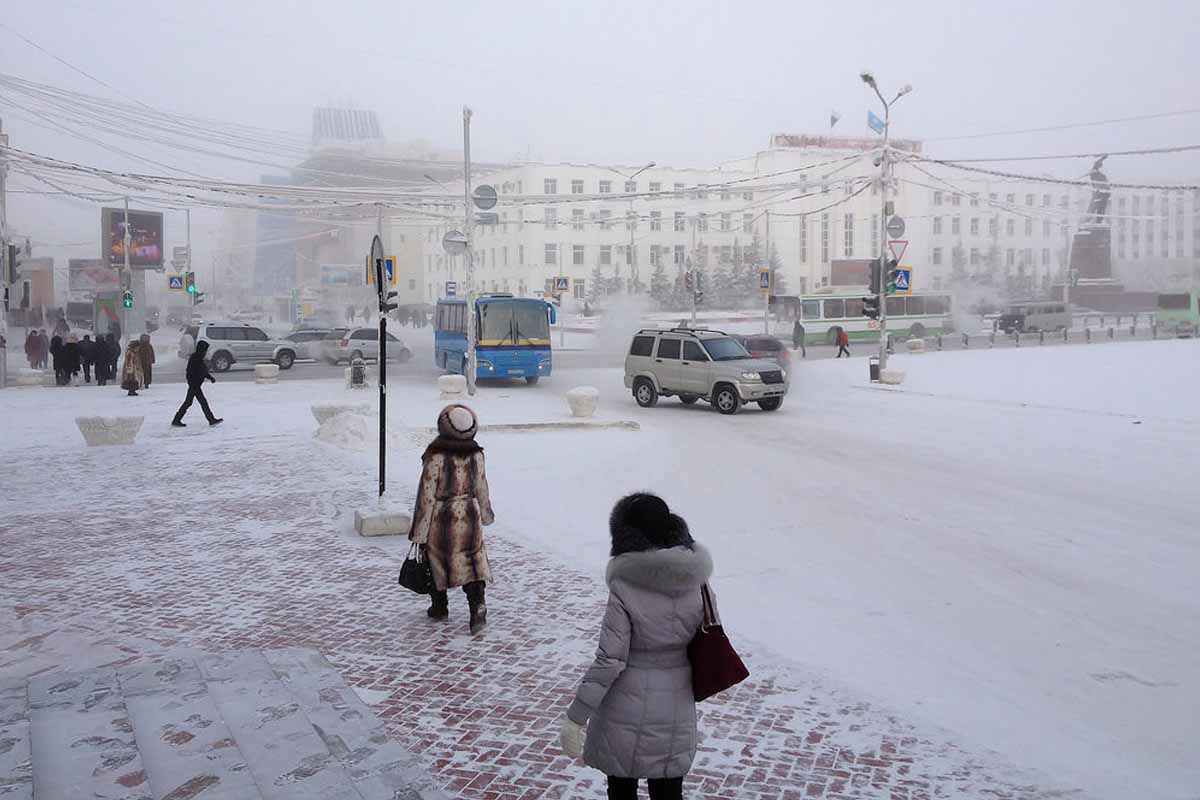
(29, 377)
(891, 377)
(583, 400)
(452, 387)
(104, 431)
(266, 373)
(323, 412)
(915, 345)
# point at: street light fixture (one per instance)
(633, 275)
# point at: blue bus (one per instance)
(512, 337)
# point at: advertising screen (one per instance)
(146, 237)
(87, 276)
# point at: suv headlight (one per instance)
(783, 374)
(751, 376)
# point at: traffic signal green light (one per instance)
(190, 282)
(127, 300)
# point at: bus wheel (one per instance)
(531, 380)
(831, 335)
(917, 331)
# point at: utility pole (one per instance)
(691, 272)
(469, 222)
(4, 236)
(770, 280)
(128, 274)
(885, 166)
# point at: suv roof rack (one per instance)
(678, 329)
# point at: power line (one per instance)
(1143, 152)
(1068, 126)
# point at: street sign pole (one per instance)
(128, 275)
(469, 212)
(770, 277)
(380, 287)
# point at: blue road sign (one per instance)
(764, 279)
(451, 289)
(389, 270)
(562, 284)
(174, 281)
(903, 280)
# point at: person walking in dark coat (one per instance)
(197, 373)
(798, 342)
(453, 504)
(146, 349)
(72, 358)
(843, 340)
(636, 700)
(87, 357)
(58, 359)
(113, 342)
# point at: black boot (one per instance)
(439, 608)
(475, 598)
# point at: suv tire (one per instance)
(644, 393)
(405, 356)
(917, 331)
(222, 361)
(532, 379)
(770, 403)
(725, 399)
(285, 359)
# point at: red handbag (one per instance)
(716, 666)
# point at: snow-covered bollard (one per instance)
(323, 412)
(356, 374)
(29, 377)
(892, 377)
(452, 387)
(915, 345)
(266, 373)
(582, 400)
(381, 523)
(104, 431)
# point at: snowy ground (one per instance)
(1002, 553)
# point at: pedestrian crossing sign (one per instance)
(903, 280)
(175, 282)
(562, 284)
(389, 270)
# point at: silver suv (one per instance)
(231, 342)
(695, 364)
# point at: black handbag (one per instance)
(415, 574)
(716, 666)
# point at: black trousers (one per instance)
(843, 349)
(87, 372)
(195, 393)
(660, 788)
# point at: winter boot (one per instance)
(475, 599)
(439, 609)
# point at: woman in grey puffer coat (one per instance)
(636, 699)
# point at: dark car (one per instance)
(763, 346)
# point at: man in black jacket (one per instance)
(197, 372)
(87, 357)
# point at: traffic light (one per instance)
(14, 260)
(891, 275)
(871, 306)
(127, 299)
(874, 271)
(687, 279)
(189, 282)
(197, 298)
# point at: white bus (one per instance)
(908, 316)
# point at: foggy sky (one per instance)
(680, 83)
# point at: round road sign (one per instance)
(895, 227)
(376, 250)
(454, 243)
(484, 197)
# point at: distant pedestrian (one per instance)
(100, 360)
(72, 358)
(61, 328)
(132, 378)
(453, 505)
(59, 361)
(87, 357)
(146, 349)
(798, 342)
(113, 342)
(637, 700)
(197, 372)
(843, 340)
(43, 350)
(31, 347)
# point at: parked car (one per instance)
(695, 364)
(308, 342)
(231, 342)
(763, 346)
(362, 343)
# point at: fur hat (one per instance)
(457, 422)
(642, 521)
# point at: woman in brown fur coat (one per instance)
(452, 507)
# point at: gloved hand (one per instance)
(571, 737)
(211, 378)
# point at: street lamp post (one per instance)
(633, 273)
(885, 163)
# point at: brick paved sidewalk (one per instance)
(222, 550)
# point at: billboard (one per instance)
(86, 276)
(146, 237)
(341, 275)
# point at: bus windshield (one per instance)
(513, 323)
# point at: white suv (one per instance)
(694, 364)
(229, 343)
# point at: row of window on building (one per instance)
(603, 186)
(1010, 227)
(1012, 257)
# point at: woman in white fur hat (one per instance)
(452, 507)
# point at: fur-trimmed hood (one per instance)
(673, 571)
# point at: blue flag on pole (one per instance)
(874, 122)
